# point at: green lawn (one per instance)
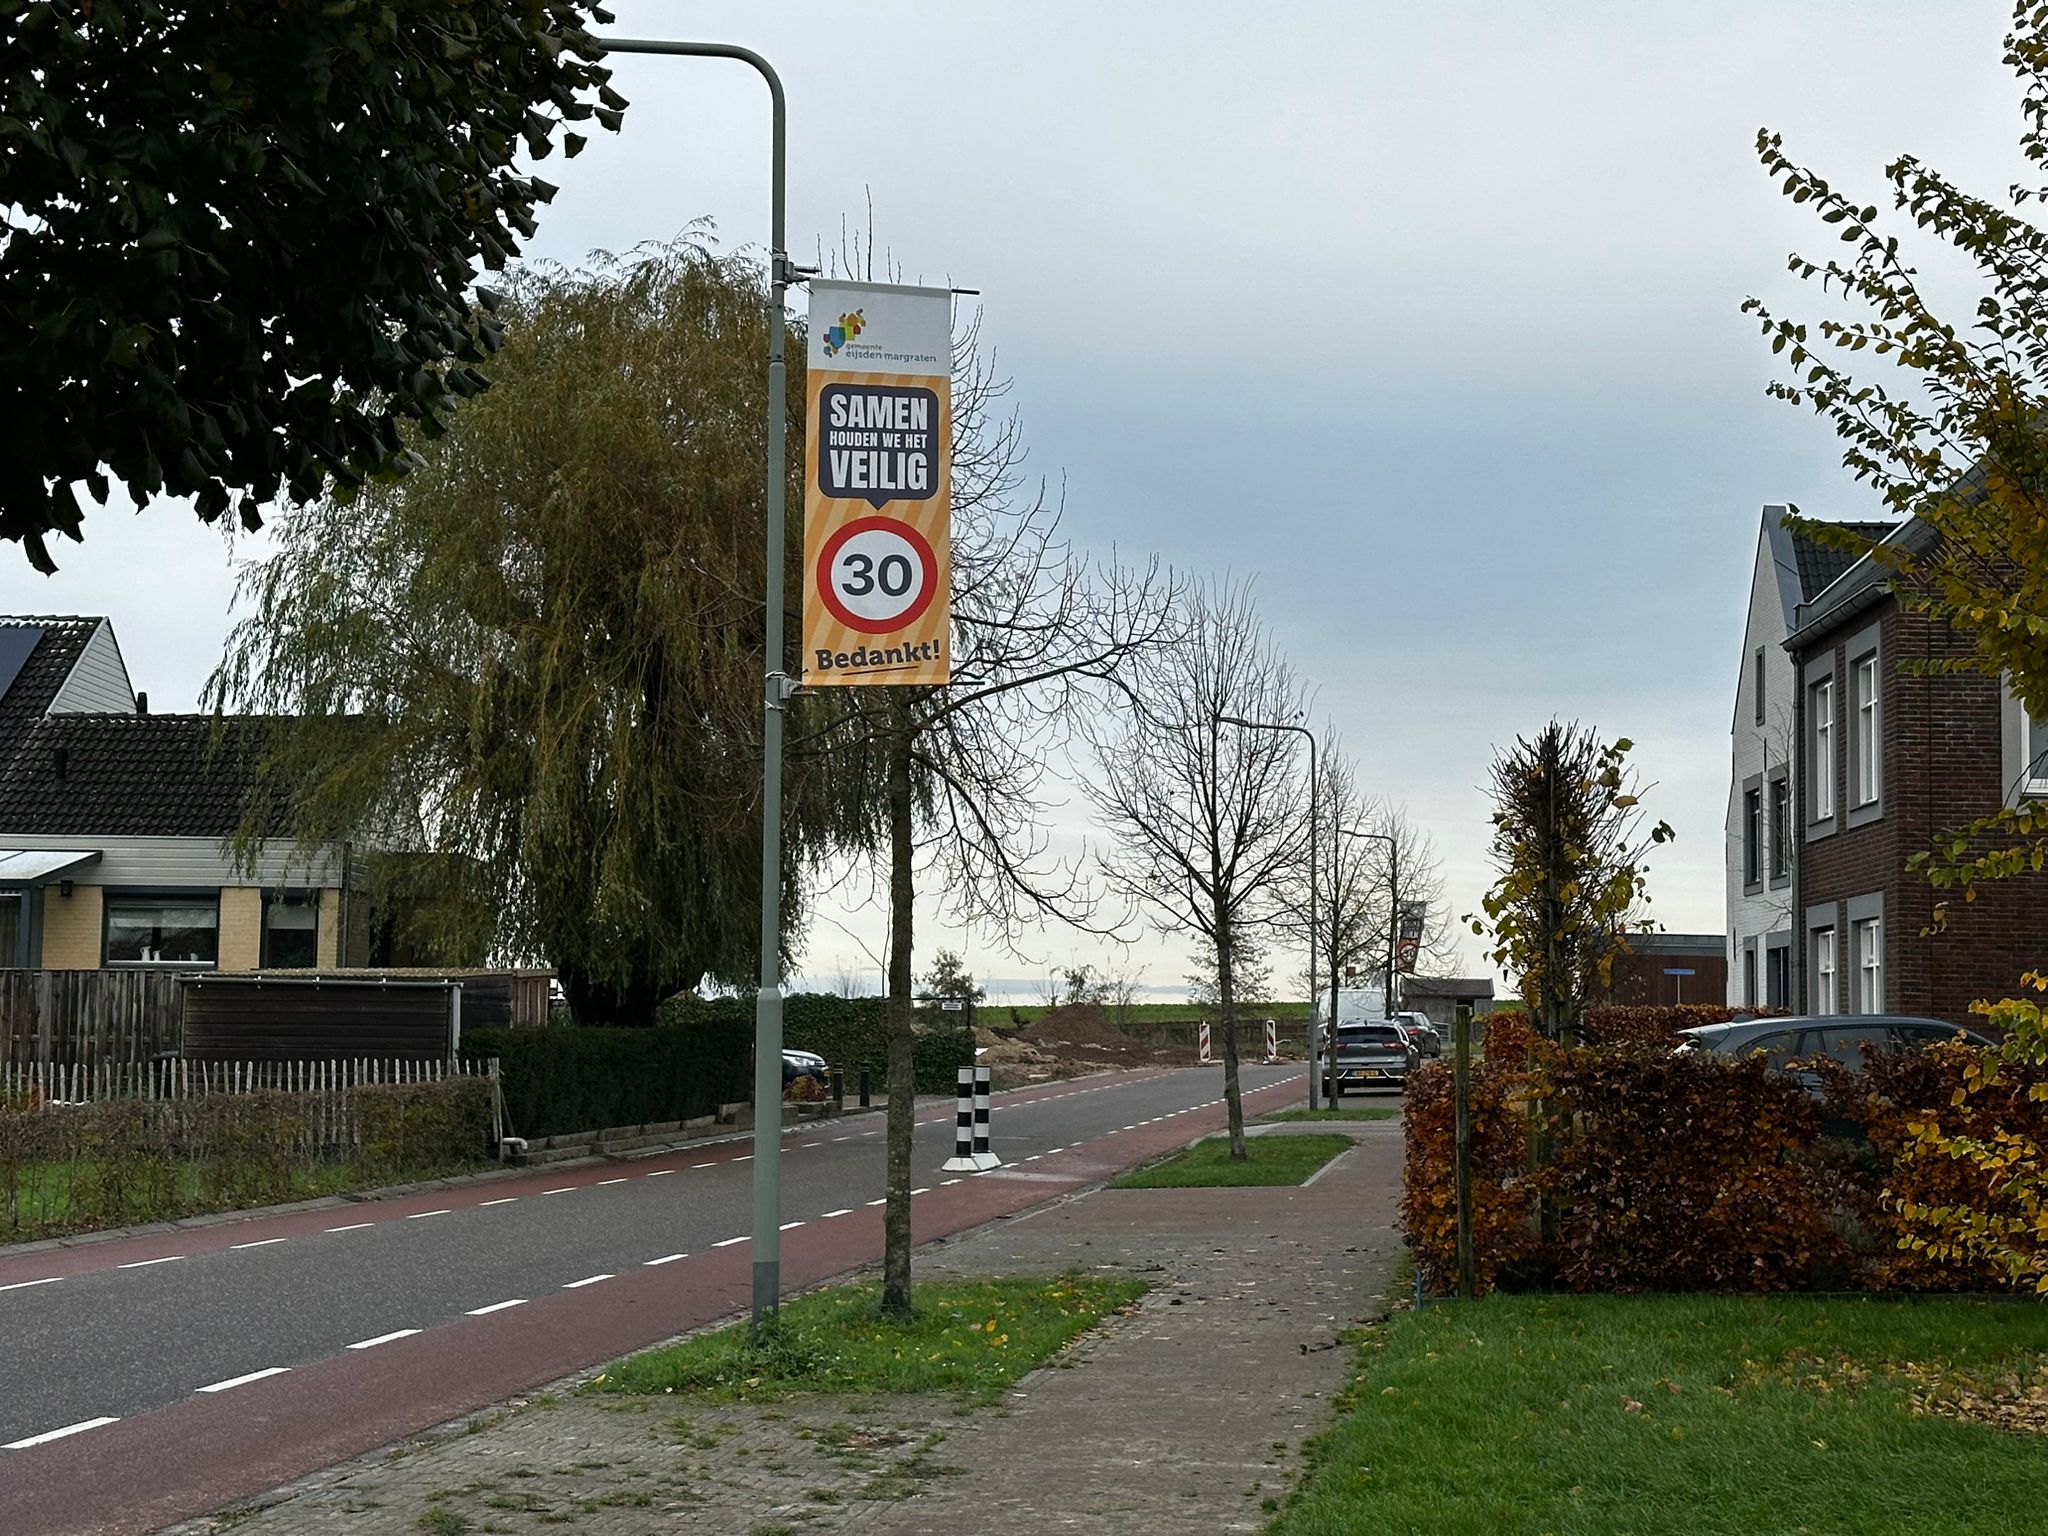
(1268, 1160)
(1331, 1114)
(1695, 1416)
(974, 1336)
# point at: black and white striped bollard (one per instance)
(971, 1151)
(984, 1155)
(962, 1160)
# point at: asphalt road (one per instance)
(153, 1377)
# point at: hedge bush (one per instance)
(1632, 1024)
(1690, 1171)
(566, 1079)
(120, 1161)
(849, 1032)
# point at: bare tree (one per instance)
(1206, 817)
(1036, 629)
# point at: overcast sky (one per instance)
(1425, 313)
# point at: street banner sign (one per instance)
(878, 485)
(1409, 951)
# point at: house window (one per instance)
(1757, 685)
(163, 930)
(1752, 836)
(1824, 993)
(291, 933)
(1749, 976)
(1865, 727)
(1781, 842)
(1870, 966)
(2037, 755)
(1824, 749)
(1778, 977)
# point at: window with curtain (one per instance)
(162, 930)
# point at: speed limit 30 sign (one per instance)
(877, 485)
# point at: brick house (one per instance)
(115, 825)
(1886, 760)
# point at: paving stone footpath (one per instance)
(1186, 1415)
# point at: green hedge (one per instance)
(562, 1080)
(849, 1032)
(569, 1078)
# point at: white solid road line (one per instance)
(242, 1381)
(261, 1242)
(577, 1285)
(666, 1258)
(354, 1226)
(728, 1242)
(496, 1306)
(145, 1263)
(501, 1200)
(58, 1434)
(384, 1338)
(22, 1285)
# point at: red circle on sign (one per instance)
(844, 614)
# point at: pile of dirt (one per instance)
(1085, 1039)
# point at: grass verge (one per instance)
(1716, 1416)
(974, 1337)
(1331, 1114)
(1208, 1165)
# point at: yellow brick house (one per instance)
(115, 825)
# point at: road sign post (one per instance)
(877, 486)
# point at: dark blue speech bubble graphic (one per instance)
(878, 443)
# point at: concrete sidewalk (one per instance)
(1187, 1415)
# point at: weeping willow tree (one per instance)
(532, 665)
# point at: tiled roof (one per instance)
(27, 697)
(1821, 564)
(132, 776)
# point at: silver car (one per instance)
(1369, 1055)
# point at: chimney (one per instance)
(60, 759)
(142, 703)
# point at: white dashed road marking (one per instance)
(423, 1215)
(145, 1263)
(496, 1306)
(728, 1242)
(501, 1200)
(666, 1258)
(22, 1285)
(261, 1242)
(354, 1226)
(577, 1285)
(58, 1434)
(830, 1214)
(242, 1381)
(384, 1338)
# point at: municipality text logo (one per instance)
(844, 330)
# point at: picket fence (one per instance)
(47, 1082)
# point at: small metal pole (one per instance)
(1462, 1089)
(866, 1090)
(838, 1077)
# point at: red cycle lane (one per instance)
(139, 1474)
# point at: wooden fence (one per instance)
(45, 1082)
(88, 1017)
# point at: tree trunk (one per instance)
(1226, 987)
(902, 1112)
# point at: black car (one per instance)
(1840, 1035)
(796, 1064)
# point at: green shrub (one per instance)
(849, 1032)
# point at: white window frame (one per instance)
(2034, 776)
(1824, 749)
(1824, 970)
(1870, 965)
(1866, 731)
